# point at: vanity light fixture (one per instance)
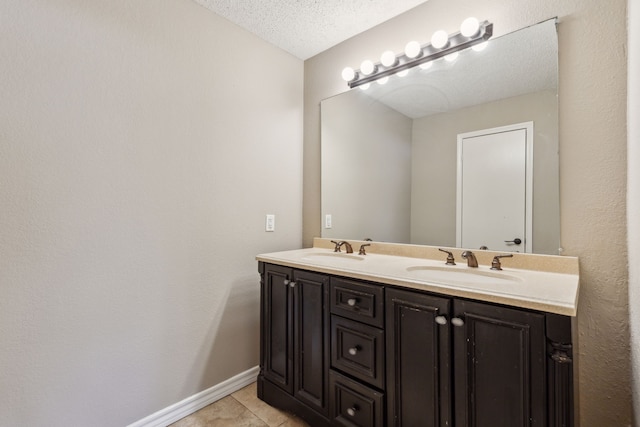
(470, 27)
(451, 57)
(480, 47)
(388, 58)
(440, 39)
(472, 34)
(367, 67)
(413, 50)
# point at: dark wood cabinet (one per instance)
(418, 359)
(295, 339)
(499, 366)
(357, 373)
(456, 362)
(353, 404)
(339, 351)
(277, 327)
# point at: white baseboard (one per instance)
(191, 404)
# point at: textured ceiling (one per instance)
(305, 28)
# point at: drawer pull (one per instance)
(352, 411)
(441, 320)
(354, 350)
(456, 321)
(352, 302)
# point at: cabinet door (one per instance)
(499, 366)
(277, 327)
(418, 359)
(311, 339)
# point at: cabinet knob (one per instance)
(354, 350)
(292, 284)
(456, 321)
(286, 282)
(352, 302)
(441, 320)
(352, 411)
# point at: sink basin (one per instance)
(333, 258)
(465, 276)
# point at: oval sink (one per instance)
(468, 276)
(333, 257)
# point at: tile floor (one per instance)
(240, 409)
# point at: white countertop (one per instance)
(546, 291)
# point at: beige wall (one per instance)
(434, 156)
(633, 194)
(366, 169)
(139, 152)
(592, 99)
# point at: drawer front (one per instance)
(358, 301)
(358, 350)
(352, 404)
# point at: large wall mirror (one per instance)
(389, 154)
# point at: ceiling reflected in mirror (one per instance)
(476, 77)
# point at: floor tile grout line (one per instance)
(287, 415)
(256, 415)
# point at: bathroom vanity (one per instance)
(397, 337)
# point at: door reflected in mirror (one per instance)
(389, 154)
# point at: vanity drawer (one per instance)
(353, 404)
(358, 350)
(358, 301)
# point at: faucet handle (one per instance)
(495, 264)
(338, 245)
(450, 259)
(362, 251)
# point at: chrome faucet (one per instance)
(471, 259)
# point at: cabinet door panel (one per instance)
(353, 404)
(418, 360)
(311, 329)
(363, 302)
(499, 366)
(358, 350)
(277, 333)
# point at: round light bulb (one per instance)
(439, 39)
(470, 27)
(480, 46)
(367, 67)
(348, 74)
(412, 49)
(426, 65)
(365, 86)
(382, 80)
(402, 73)
(451, 57)
(388, 59)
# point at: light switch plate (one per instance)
(327, 221)
(270, 223)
